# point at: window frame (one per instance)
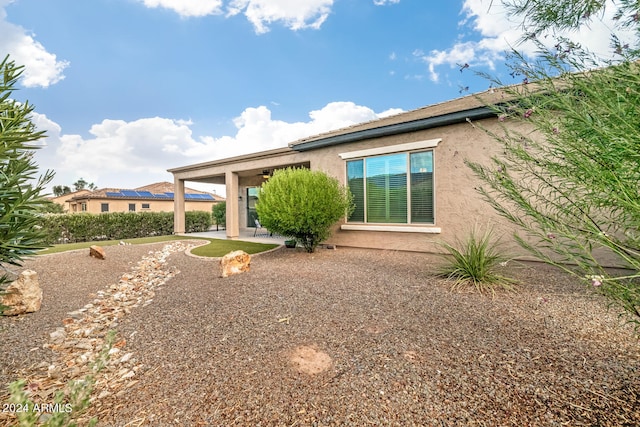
(407, 149)
(132, 207)
(145, 206)
(104, 207)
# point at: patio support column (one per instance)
(233, 222)
(178, 206)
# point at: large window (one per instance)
(392, 189)
(104, 207)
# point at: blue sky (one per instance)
(129, 88)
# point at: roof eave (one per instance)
(398, 128)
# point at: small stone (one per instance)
(128, 375)
(97, 252)
(58, 336)
(54, 371)
(103, 394)
(84, 345)
(23, 295)
(126, 357)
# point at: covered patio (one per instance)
(242, 176)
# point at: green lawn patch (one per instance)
(219, 247)
(215, 248)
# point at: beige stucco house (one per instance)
(157, 197)
(411, 186)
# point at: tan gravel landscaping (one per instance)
(339, 337)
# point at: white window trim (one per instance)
(394, 228)
(409, 146)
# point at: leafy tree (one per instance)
(21, 189)
(569, 177)
(219, 212)
(60, 190)
(302, 204)
(81, 184)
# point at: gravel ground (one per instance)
(345, 337)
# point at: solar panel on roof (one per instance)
(129, 193)
(169, 194)
(113, 194)
(160, 196)
(145, 194)
(197, 196)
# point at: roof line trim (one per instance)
(398, 128)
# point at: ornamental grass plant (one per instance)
(475, 262)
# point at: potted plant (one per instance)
(291, 243)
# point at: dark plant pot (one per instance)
(290, 243)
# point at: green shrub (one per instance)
(219, 213)
(195, 221)
(568, 170)
(21, 188)
(475, 262)
(302, 204)
(86, 227)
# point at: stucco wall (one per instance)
(115, 205)
(458, 206)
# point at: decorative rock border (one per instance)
(78, 343)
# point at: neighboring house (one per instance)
(156, 197)
(407, 173)
(62, 200)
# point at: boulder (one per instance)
(97, 252)
(23, 295)
(234, 263)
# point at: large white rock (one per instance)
(23, 295)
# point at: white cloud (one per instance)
(294, 14)
(385, 2)
(41, 67)
(131, 154)
(499, 33)
(188, 8)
